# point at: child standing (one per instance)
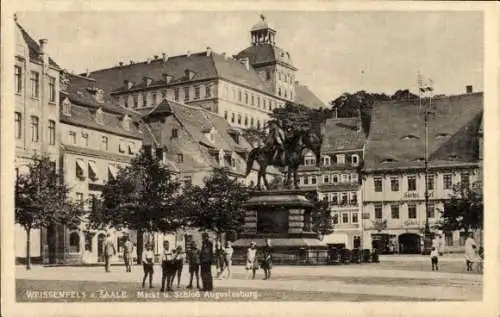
(434, 259)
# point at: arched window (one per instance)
(246, 120)
(326, 160)
(355, 160)
(246, 98)
(258, 124)
(232, 117)
(74, 242)
(239, 118)
(251, 122)
(279, 91)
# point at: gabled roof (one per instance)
(304, 96)
(34, 47)
(263, 54)
(204, 67)
(343, 134)
(397, 133)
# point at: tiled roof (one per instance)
(263, 54)
(304, 96)
(84, 107)
(342, 134)
(203, 66)
(397, 133)
(34, 47)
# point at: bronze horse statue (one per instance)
(292, 157)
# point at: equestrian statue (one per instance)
(284, 149)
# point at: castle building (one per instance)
(338, 179)
(394, 175)
(36, 120)
(243, 89)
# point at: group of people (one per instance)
(474, 255)
(224, 259)
(253, 263)
(172, 263)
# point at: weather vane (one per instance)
(262, 16)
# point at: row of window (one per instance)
(412, 211)
(346, 218)
(245, 121)
(250, 98)
(326, 160)
(342, 198)
(90, 170)
(330, 179)
(412, 182)
(123, 146)
(34, 83)
(197, 92)
(35, 128)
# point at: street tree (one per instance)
(464, 209)
(216, 205)
(295, 116)
(322, 222)
(42, 200)
(143, 197)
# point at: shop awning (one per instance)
(112, 170)
(81, 166)
(93, 170)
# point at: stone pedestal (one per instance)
(285, 218)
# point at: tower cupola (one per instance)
(262, 32)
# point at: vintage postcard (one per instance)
(250, 158)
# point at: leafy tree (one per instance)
(357, 104)
(41, 199)
(143, 197)
(404, 95)
(297, 116)
(322, 222)
(217, 204)
(464, 209)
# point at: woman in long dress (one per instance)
(471, 256)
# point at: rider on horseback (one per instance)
(278, 136)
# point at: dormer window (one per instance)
(66, 107)
(355, 160)
(99, 116)
(99, 96)
(441, 135)
(410, 137)
(340, 158)
(126, 123)
(326, 160)
(175, 133)
(388, 160)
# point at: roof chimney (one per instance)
(164, 56)
(246, 61)
(188, 53)
(156, 57)
(148, 60)
(43, 45)
(131, 62)
(209, 51)
(87, 73)
(120, 63)
(468, 89)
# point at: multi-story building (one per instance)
(337, 179)
(243, 89)
(394, 170)
(96, 138)
(36, 88)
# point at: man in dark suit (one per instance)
(206, 258)
(109, 251)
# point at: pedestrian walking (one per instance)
(109, 251)
(206, 259)
(470, 252)
(435, 259)
(252, 265)
(228, 259)
(179, 263)
(267, 262)
(219, 257)
(127, 254)
(147, 264)
(194, 265)
(168, 267)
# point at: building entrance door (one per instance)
(409, 243)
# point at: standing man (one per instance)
(147, 264)
(109, 251)
(206, 258)
(194, 265)
(127, 254)
(267, 263)
(168, 267)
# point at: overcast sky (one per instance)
(335, 52)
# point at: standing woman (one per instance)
(179, 263)
(267, 263)
(147, 264)
(252, 264)
(219, 257)
(470, 252)
(228, 259)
